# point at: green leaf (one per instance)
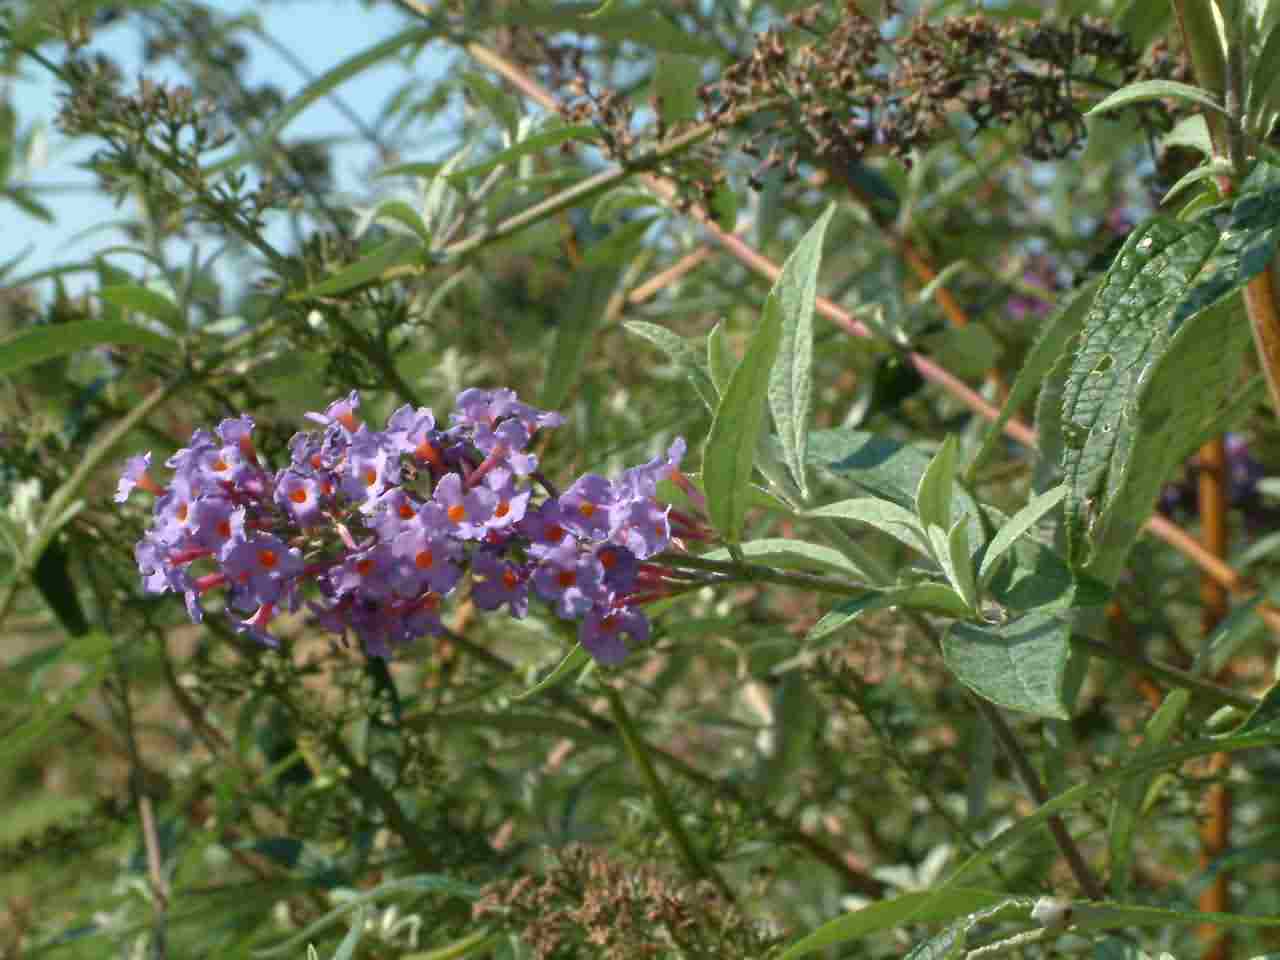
(1154, 364)
(1214, 168)
(52, 577)
(39, 344)
(40, 718)
(534, 143)
(958, 565)
(1190, 133)
(147, 302)
(1104, 916)
(720, 359)
(686, 357)
(970, 351)
(320, 87)
(676, 78)
(1016, 526)
(926, 597)
(393, 253)
(793, 555)
(1126, 809)
(878, 465)
(1062, 325)
(1019, 665)
(574, 660)
(885, 515)
(585, 302)
(1145, 90)
(1265, 75)
(933, 495)
(924, 907)
(791, 380)
(397, 211)
(729, 457)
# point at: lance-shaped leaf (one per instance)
(730, 454)
(791, 382)
(1153, 365)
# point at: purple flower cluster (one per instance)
(380, 527)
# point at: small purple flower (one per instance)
(371, 468)
(620, 567)
(569, 578)
(466, 513)
(394, 512)
(414, 432)
(174, 511)
(587, 506)
(237, 432)
(427, 562)
(642, 482)
(643, 527)
(299, 496)
(372, 573)
(211, 523)
(133, 475)
(510, 504)
(495, 581)
(544, 527)
(261, 563)
(601, 630)
(340, 412)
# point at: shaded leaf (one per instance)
(392, 253)
(39, 344)
(1019, 665)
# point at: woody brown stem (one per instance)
(1215, 832)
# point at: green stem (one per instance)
(698, 867)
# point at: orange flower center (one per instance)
(509, 579)
(457, 513)
(298, 494)
(503, 509)
(426, 452)
(370, 476)
(406, 511)
(567, 578)
(587, 509)
(364, 566)
(424, 559)
(268, 558)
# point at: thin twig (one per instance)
(1031, 780)
(695, 863)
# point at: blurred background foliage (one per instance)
(173, 790)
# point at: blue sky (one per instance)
(322, 33)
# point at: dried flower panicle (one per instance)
(378, 527)
(590, 905)
(854, 87)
